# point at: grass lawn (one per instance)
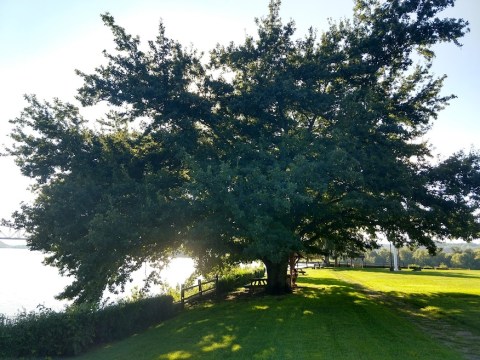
(327, 318)
(444, 303)
(452, 295)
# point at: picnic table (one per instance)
(256, 283)
(301, 271)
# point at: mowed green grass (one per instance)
(326, 318)
(452, 295)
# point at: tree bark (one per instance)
(277, 277)
(326, 260)
(291, 265)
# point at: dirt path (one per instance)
(445, 331)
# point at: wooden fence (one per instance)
(202, 288)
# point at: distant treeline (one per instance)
(448, 256)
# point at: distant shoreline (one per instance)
(6, 246)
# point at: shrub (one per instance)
(44, 332)
(49, 333)
(414, 267)
(238, 277)
(126, 318)
(427, 267)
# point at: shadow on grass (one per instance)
(326, 318)
(458, 309)
(451, 318)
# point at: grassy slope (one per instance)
(327, 318)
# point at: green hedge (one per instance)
(50, 333)
(238, 277)
(415, 267)
(44, 332)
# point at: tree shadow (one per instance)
(456, 308)
(324, 318)
(461, 308)
(451, 318)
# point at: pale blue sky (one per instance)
(42, 42)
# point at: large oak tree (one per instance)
(271, 147)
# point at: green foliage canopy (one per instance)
(274, 146)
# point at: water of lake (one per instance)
(26, 283)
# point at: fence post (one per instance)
(200, 286)
(182, 296)
(216, 285)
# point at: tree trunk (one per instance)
(326, 260)
(277, 277)
(291, 265)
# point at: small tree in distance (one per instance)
(275, 146)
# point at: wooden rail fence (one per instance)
(202, 290)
